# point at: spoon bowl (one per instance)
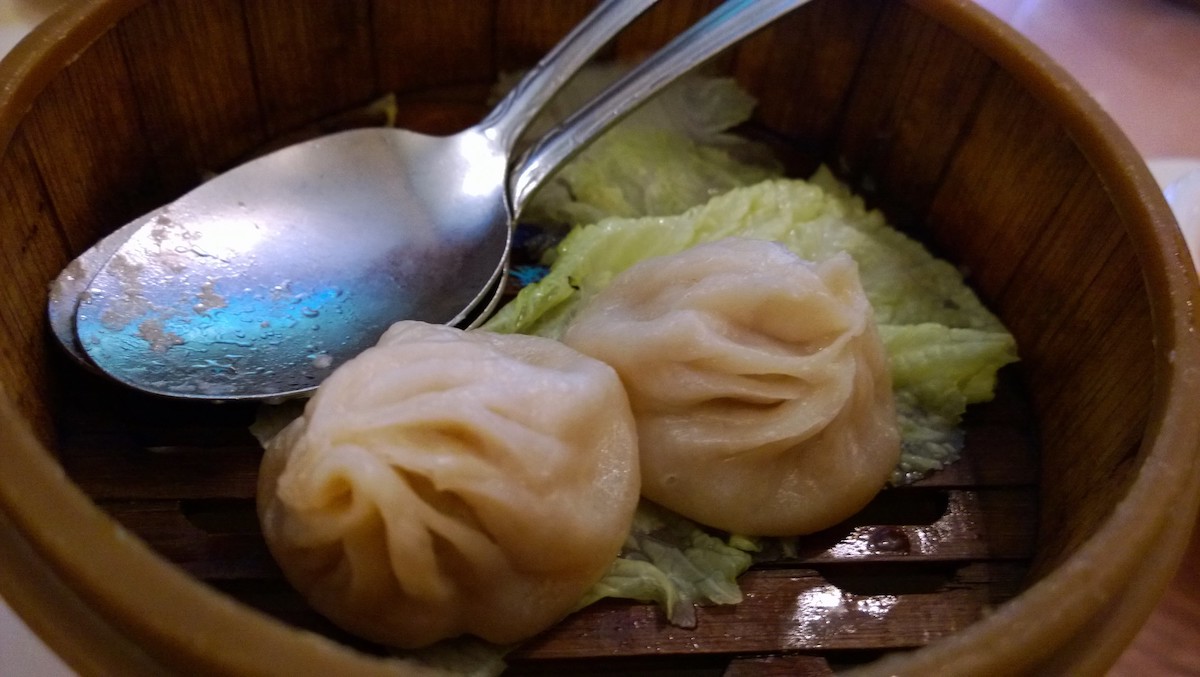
(258, 283)
(293, 249)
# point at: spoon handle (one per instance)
(729, 23)
(521, 105)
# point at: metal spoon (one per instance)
(144, 350)
(261, 280)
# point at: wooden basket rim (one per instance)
(178, 621)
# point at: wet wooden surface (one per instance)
(919, 563)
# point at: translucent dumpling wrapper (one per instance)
(758, 380)
(448, 482)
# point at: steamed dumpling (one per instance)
(448, 482)
(760, 386)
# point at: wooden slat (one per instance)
(213, 541)
(176, 429)
(782, 611)
(656, 27)
(528, 29)
(113, 469)
(774, 665)
(215, 533)
(178, 449)
(69, 148)
(675, 666)
(983, 525)
(420, 43)
(32, 251)
(1100, 438)
(915, 95)
(444, 110)
(803, 90)
(318, 60)
(779, 666)
(120, 445)
(184, 462)
(1079, 224)
(1011, 150)
(990, 525)
(95, 405)
(191, 68)
(173, 445)
(792, 613)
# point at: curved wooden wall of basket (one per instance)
(957, 129)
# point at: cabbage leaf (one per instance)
(670, 561)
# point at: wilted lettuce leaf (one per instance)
(638, 172)
(670, 561)
(936, 372)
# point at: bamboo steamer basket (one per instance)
(126, 540)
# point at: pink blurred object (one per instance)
(1140, 59)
